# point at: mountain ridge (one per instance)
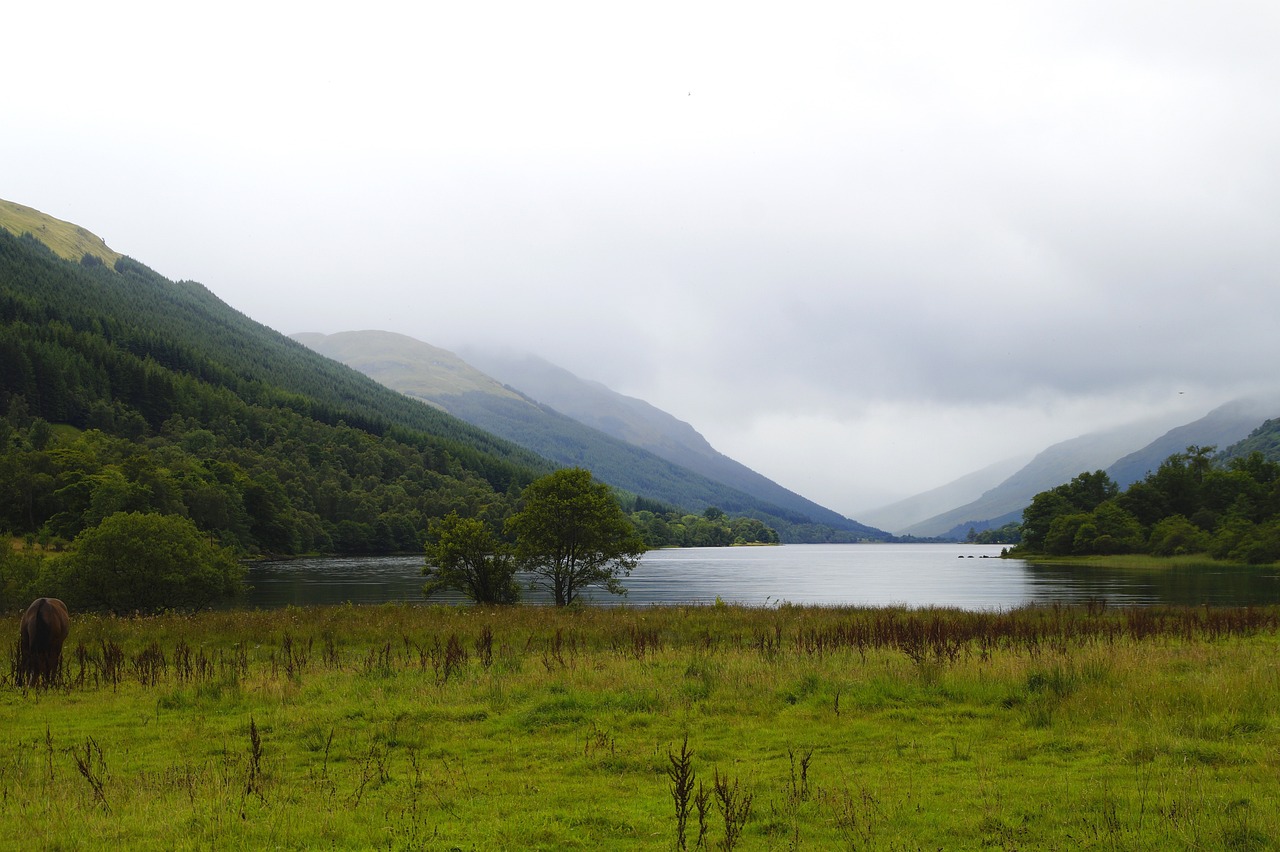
(505, 406)
(1221, 427)
(1055, 464)
(639, 422)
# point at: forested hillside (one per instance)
(123, 391)
(1264, 440)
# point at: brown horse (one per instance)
(44, 629)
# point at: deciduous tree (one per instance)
(464, 554)
(572, 534)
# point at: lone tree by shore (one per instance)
(464, 554)
(572, 534)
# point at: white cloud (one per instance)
(819, 232)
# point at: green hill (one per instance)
(122, 390)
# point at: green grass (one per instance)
(398, 727)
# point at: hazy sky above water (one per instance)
(864, 248)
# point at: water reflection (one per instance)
(963, 576)
(1208, 584)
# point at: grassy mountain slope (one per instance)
(68, 241)
(644, 425)
(440, 378)
(410, 366)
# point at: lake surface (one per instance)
(915, 575)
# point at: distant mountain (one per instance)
(901, 515)
(638, 452)
(1222, 427)
(1053, 466)
(643, 425)
(1154, 441)
(627, 418)
(410, 366)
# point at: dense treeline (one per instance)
(713, 528)
(272, 483)
(1010, 533)
(1228, 508)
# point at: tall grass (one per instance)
(404, 727)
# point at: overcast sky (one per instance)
(864, 248)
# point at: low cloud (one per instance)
(863, 249)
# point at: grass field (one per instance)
(399, 727)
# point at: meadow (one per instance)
(717, 727)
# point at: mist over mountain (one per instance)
(1052, 466)
(1127, 454)
(624, 441)
(632, 420)
(637, 422)
(1265, 440)
(1225, 425)
(899, 516)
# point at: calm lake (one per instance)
(914, 575)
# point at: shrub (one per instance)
(150, 562)
(1175, 535)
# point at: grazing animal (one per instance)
(44, 629)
